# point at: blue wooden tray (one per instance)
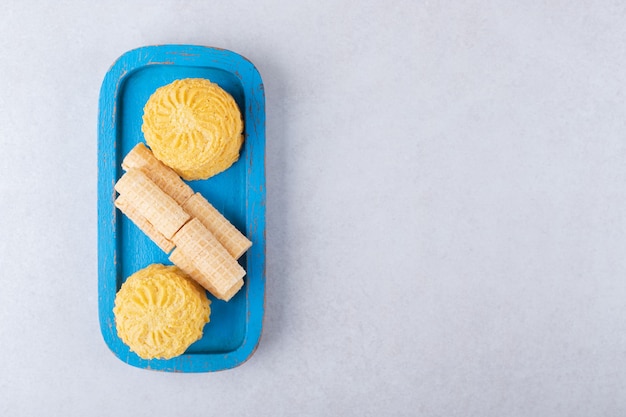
(233, 333)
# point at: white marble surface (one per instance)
(446, 208)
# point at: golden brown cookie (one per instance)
(193, 126)
(160, 311)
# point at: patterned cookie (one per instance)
(193, 126)
(160, 311)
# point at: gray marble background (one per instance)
(446, 186)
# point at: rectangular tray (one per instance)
(233, 333)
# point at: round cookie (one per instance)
(160, 311)
(193, 126)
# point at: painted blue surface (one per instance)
(234, 331)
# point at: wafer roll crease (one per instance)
(140, 157)
(126, 207)
(161, 210)
(208, 256)
(235, 242)
(178, 259)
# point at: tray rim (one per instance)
(246, 72)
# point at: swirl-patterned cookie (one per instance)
(160, 311)
(194, 127)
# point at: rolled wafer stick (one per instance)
(178, 259)
(153, 203)
(235, 242)
(208, 256)
(126, 206)
(233, 290)
(140, 157)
